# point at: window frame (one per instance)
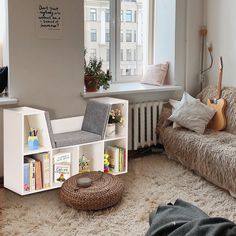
(94, 14)
(115, 42)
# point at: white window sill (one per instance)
(130, 88)
(7, 101)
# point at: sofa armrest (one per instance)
(163, 119)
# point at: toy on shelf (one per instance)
(106, 163)
(33, 141)
(84, 164)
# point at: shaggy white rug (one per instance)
(151, 180)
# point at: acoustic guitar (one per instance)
(219, 104)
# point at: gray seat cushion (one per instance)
(96, 117)
(75, 138)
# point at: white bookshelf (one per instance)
(19, 121)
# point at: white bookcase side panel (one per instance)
(13, 151)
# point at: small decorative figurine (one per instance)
(84, 164)
(106, 163)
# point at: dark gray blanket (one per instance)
(183, 218)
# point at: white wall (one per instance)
(165, 35)
(220, 20)
(177, 40)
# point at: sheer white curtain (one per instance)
(2, 24)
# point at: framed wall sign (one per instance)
(49, 19)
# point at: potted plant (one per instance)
(94, 76)
(114, 123)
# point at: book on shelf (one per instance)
(117, 157)
(62, 167)
(45, 168)
(31, 162)
(26, 177)
(38, 175)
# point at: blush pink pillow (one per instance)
(155, 74)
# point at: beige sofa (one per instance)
(212, 155)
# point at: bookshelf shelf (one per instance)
(31, 152)
(18, 123)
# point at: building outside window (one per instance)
(93, 14)
(122, 55)
(135, 16)
(128, 55)
(121, 36)
(107, 15)
(93, 35)
(135, 54)
(129, 36)
(128, 72)
(108, 55)
(107, 35)
(102, 41)
(128, 15)
(135, 36)
(93, 53)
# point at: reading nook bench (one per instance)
(60, 148)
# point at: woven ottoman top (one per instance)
(106, 190)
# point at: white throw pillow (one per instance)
(186, 98)
(193, 115)
(155, 74)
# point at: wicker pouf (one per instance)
(106, 190)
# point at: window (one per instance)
(107, 15)
(108, 55)
(122, 55)
(93, 14)
(135, 16)
(128, 55)
(121, 45)
(128, 35)
(128, 15)
(121, 36)
(135, 36)
(135, 55)
(128, 72)
(107, 35)
(93, 53)
(93, 35)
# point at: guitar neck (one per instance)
(220, 79)
(219, 85)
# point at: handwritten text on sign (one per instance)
(49, 19)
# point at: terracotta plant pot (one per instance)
(91, 84)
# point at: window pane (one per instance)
(128, 35)
(132, 45)
(93, 35)
(128, 15)
(97, 30)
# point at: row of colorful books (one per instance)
(117, 156)
(36, 172)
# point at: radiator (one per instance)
(143, 119)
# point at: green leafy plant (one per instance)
(94, 69)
